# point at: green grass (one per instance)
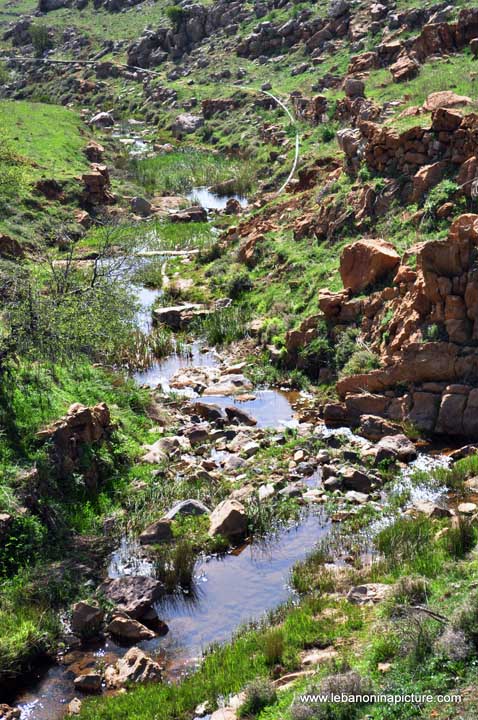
(46, 135)
(178, 172)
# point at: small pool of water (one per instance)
(271, 408)
(161, 372)
(209, 200)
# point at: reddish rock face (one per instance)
(366, 261)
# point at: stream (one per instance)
(228, 590)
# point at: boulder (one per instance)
(9, 713)
(241, 416)
(141, 206)
(88, 683)
(445, 99)
(86, 619)
(73, 707)
(187, 507)
(102, 119)
(208, 411)
(186, 123)
(395, 447)
(427, 177)
(353, 479)
(228, 519)
(354, 88)
(195, 213)
(366, 261)
(128, 629)
(431, 509)
(373, 428)
(158, 532)
(133, 594)
(134, 667)
(405, 68)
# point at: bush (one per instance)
(258, 695)
(41, 39)
(409, 591)
(465, 619)
(238, 284)
(176, 14)
(345, 347)
(23, 544)
(460, 538)
(362, 361)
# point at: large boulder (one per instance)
(134, 667)
(366, 261)
(186, 123)
(158, 532)
(86, 619)
(134, 595)
(129, 630)
(445, 99)
(229, 519)
(395, 447)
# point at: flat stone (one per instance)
(467, 508)
(368, 594)
(128, 629)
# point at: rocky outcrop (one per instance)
(96, 186)
(70, 438)
(134, 595)
(429, 382)
(364, 262)
(134, 667)
(228, 519)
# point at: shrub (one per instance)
(41, 39)
(345, 347)
(460, 538)
(408, 591)
(258, 694)
(362, 361)
(175, 13)
(238, 284)
(23, 544)
(465, 619)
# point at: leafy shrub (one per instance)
(258, 694)
(362, 361)
(23, 544)
(41, 38)
(345, 347)
(175, 13)
(238, 284)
